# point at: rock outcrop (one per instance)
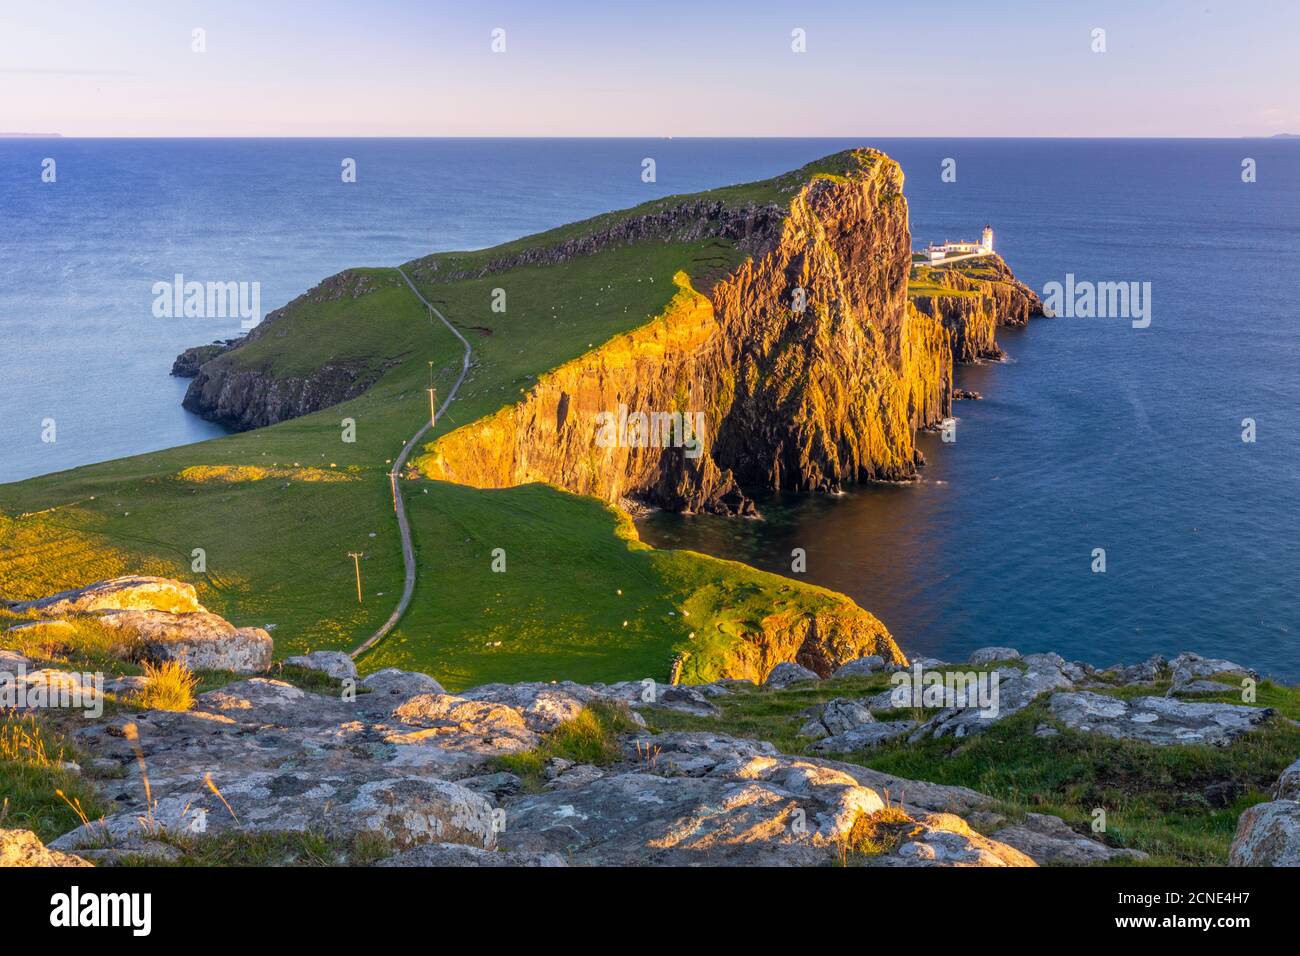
(405, 761)
(1268, 834)
(159, 620)
(127, 593)
(1157, 720)
(24, 848)
(974, 300)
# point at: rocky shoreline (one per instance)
(395, 756)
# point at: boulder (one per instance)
(392, 683)
(1016, 689)
(1189, 669)
(334, 664)
(764, 811)
(128, 593)
(787, 673)
(864, 737)
(1288, 785)
(199, 639)
(544, 706)
(1268, 834)
(863, 666)
(987, 655)
(1147, 672)
(945, 839)
(836, 716)
(458, 854)
(405, 810)
(24, 848)
(1049, 840)
(1157, 720)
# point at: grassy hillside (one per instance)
(278, 509)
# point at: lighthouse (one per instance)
(986, 244)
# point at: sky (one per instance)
(654, 68)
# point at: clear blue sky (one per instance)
(406, 68)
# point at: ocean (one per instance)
(1092, 435)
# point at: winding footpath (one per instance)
(399, 505)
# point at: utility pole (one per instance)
(356, 560)
(432, 413)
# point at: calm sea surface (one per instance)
(1093, 435)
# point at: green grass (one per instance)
(32, 776)
(1154, 797)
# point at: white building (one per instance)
(938, 252)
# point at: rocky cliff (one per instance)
(805, 369)
(972, 301)
(242, 393)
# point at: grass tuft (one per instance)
(170, 686)
(592, 737)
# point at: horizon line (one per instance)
(50, 136)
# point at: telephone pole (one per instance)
(432, 413)
(356, 561)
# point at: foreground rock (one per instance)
(1157, 720)
(1190, 672)
(24, 848)
(334, 664)
(1049, 841)
(128, 593)
(200, 640)
(708, 799)
(457, 854)
(405, 810)
(783, 675)
(981, 706)
(1268, 834)
(159, 620)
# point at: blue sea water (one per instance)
(1093, 435)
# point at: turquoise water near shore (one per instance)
(1093, 434)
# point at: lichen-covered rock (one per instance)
(458, 854)
(334, 664)
(783, 675)
(836, 716)
(24, 848)
(871, 664)
(945, 839)
(127, 593)
(1049, 841)
(1188, 671)
(199, 639)
(1268, 834)
(405, 810)
(1288, 785)
(864, 737)
(394, 683)
(1157, 720)
(987, 655)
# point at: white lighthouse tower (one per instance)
(986, 244)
